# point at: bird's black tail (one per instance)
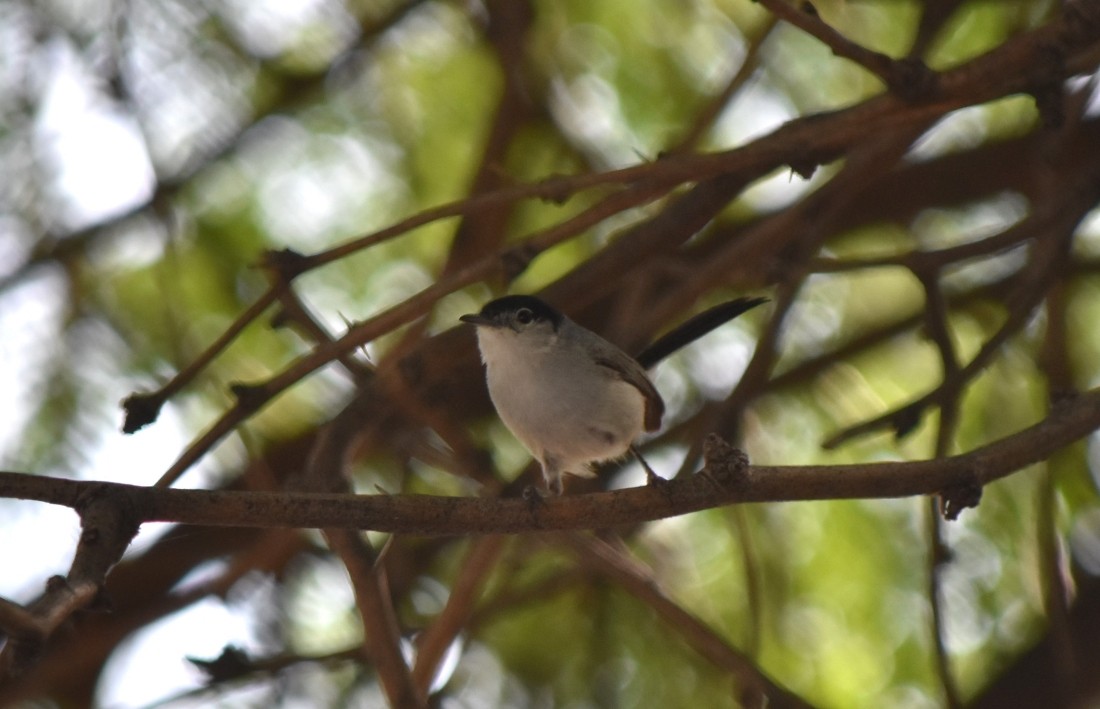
(694, 328)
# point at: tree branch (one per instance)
(721, 482)
(613, 562)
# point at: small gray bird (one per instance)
(571, 397)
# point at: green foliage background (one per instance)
(302, 125)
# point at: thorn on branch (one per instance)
(141, 410)
(56, 583)
(804, 168)
(955, 499)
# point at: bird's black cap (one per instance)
(494, 311)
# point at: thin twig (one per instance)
(253, 397)
(909, 78)
(705, 118)
(480, 561)
(1057, 222)
(615, 563)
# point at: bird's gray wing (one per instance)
(631, 372)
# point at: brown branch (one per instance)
(668, 173)
(373, 598)
(480, 561)
(709, 114)
(253, 397)
(142, 408)
(724, 481)
(614, 563)
(803, 142)
(936, 325)
(909, 78)
(933, 18)
(1011, 68)
(1037, 677)
(752, 569)
(716, 486)
(108, 525)
(920, 261)
(1049, 255)
(140, 590)
(235, 668)
(381, 634)
(284, 92)
(485, 231)
(766, 243)
(1053, 231)
(937, 557)
(1058, 588)
(16, 620)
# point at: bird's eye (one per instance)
(524, 316)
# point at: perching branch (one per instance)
(111, 512)
(721, 482)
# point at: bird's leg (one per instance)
(651, 478)
(551, 473)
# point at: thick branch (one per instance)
(108, 525)
(715, 486)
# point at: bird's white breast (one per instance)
(559, 402)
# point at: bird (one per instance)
(568, 395)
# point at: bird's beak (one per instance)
(476, 319)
